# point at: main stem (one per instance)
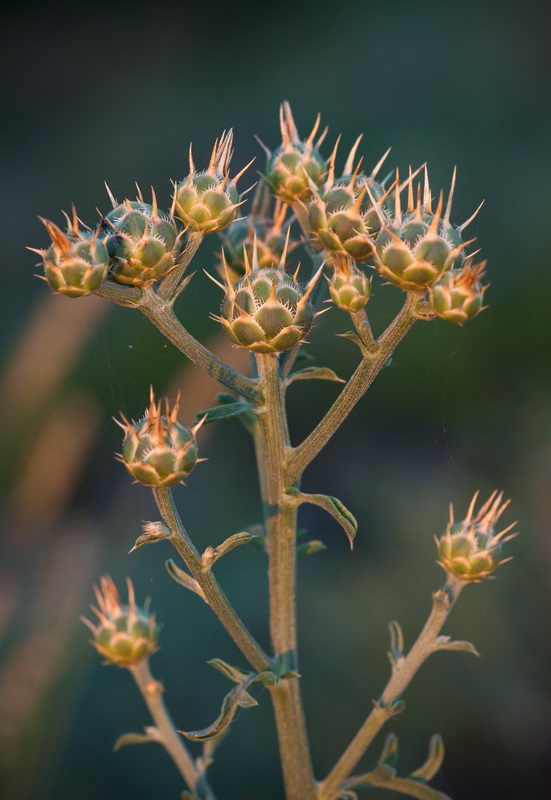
(402, 673)
(165, 733)
(272, 448)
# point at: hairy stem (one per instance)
(165, 732)
(280, 519)
(402, 673)
(168, 288)
(214, 595)
(356, 387)
(160, 313)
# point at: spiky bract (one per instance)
(458, 295)
(158, 450)
(471, 549)
(296, 163)
(208, 201)
(341, 212)
(349, 287)
(414, 249)
(143, 244)
(124, 634)
(76, 263)
(264, 229)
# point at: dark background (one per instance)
(117, 93)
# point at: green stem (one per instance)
(165, 731)
(214, 595)
(272, 447)
(403, 671)
(160, 313)
(168, 288)
(356, 387)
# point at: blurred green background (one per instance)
(116, 93)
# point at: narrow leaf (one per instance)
(445, 643)
(428, 770)
(224, 411)
(333, 506)
(237, 698)
(183, 578)
(353, 338)
(389, 754)
(231, 542)
(318, 373)
(396, 653)
(133, 738)
(310, 548)
(233, 673)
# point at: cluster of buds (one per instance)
(341, 212)
(459, 294)
(158, 450)
(415, 248)
(471, 549)
(207, 201)
(349, 287)
(263, 229)
(296, 164)
(267, 311)
(76, 263)
(124, 635)
(143, 244)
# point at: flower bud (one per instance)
(350, 289)
(143, 244)
(208, 201)
(124, 634)
(266, 311)
(471, 550)
(341, 212)
(158, 450)
(458, 295)
(261, 228)
(413, 250)
(76, 263)
(296, 163)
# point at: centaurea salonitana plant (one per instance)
(356, 230)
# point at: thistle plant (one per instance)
(356, 232)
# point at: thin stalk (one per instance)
(214, 595)
(361, 323)
(356, 387)
(168, 288)
(165, 731)
(403, 671)
(280, 520)
(160, 313)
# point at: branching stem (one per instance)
(165, 732)
(356, 387)
(403, 671)
(214, 595)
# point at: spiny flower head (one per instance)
(268, 228)
(158, 450)
(413, 249)
(207, 201)
(295, 163)
(350, 289)
(143, 243)
(267, 311)
(123, 634)
(341, 211)
(458, 295)
(76, 263)
(471, 549)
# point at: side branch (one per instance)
(165, 732)
(403, 671)
(354, 390)
(161, 315)
(214, 595)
